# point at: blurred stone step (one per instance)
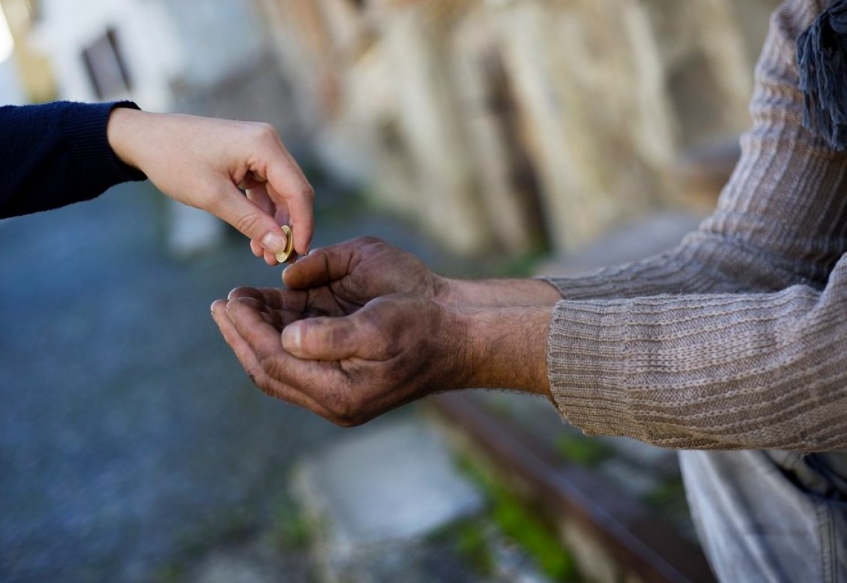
(613, 536)
(376, 496)
(192, 231)
(252, 562)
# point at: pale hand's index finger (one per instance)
(289, 188)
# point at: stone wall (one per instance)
(514, 125)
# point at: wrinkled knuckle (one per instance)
(320, 338)
(273, 368)
(310, 338)
(335, 337)
(248, 223)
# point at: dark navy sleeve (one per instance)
(57, 154)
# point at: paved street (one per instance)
(127, 428)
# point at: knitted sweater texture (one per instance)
(56, 154)
(736, 339)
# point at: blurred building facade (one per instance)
(514, 124)
(11, 92)
(146, 50)
(162, 55)
(30, 70)
(508, 125)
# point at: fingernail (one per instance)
(291, 338)
(274, 243)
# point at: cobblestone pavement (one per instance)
(127, 427)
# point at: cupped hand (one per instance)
(348, 369)
(203, 162)
(353, 273)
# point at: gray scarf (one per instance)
(822, 61)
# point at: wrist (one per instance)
(458, 293)
(502, 348)
(124, 130)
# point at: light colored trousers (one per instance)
(768, 516)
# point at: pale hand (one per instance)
(203, 162)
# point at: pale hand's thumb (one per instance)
(253, 222)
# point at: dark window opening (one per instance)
(106, 67)
(523, 175)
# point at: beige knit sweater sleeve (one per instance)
(737, 338)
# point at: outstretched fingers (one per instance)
(309, 377)
(273, 298)
(255, 369)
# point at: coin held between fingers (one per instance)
(284, 255)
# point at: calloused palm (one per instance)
(281, 307)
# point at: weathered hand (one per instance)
(366, 328)
(202, 162)
(353, 273)
(348, 369)
(357, 271)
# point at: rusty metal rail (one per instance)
(642, 544)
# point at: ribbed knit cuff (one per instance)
(87, 141)
(586, 351)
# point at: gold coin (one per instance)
(283, 256)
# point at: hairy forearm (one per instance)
(505, 347)
(496, 293)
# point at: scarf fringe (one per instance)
(822, 62)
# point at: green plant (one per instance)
(170, 573)
(520, 524)
(534, 536)
(584, 451)
(669, 493)
(291, 527)
(472, 544)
